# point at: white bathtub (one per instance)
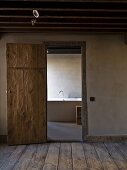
(62, 110)
(64, 99)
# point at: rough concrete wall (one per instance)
(64, 73)
(106, 79)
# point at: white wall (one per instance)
(106, 79)
(64, 73)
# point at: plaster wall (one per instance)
(64, 73)
(106, 70)
(62, 111)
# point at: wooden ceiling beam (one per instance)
(7, 24)
(65, 20)
(63, 13)
(64, 28)
(64, 4)
(66, 9)
(58, 30)
(64, 17)
(95, 1)
(67, 25)
(74, 21)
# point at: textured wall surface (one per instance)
(64, 73)
(62, 111)
(106, 70)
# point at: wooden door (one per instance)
(26, 93)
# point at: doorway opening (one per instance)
(64, 92)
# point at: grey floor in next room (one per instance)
(59, 131)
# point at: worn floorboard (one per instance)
(117, 156)
(105, 157)
(5, 153)
(25, 158)
(39, 157)
(52, 158)
(78, 156)
(14, 157)
(64, 156)
(92, 158)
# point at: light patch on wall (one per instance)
(64, 73)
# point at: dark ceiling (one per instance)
(64, 16)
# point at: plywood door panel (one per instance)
(42, 56)
(42, 113)
(12, 55)
(26, 94)
(35, 105)
(15, 104)
(26, 55)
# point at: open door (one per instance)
(26, 93)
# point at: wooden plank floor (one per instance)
(64, 156)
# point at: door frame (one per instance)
(84, 112)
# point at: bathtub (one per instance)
(62, 109)
(64, 99)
